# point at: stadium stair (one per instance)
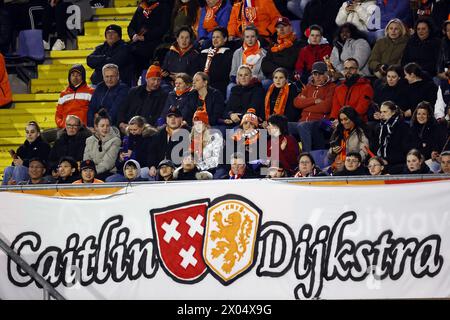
(40, 104)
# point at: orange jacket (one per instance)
(358, 96)
(5, 89)
(266, 17)
(74, 102)
(306, 101)
(81, 181)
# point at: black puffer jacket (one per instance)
(72, 146)
(141, 102)
(424, 52)
(419, 91)
(323, 13)
(155, 26)
(428, 137)
(383, 92)
(244, 97)
(215, 106)
(118, 54)
(37, 149)
(219, 70)
(285, 58)
(6, 28)
(175, 63)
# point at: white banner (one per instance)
(249, 239)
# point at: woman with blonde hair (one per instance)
(389, 49)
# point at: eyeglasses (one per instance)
(100, 146)
(36, 167)
(72, 126)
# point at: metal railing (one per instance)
(308, 180)
(49, 291)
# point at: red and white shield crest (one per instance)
(179, 232)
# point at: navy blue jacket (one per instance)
(110, 99)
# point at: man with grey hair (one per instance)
(113, 50)
(109, 94)
(70, 141)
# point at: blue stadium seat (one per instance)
(296, 27)
(320, 157)
(30, 45)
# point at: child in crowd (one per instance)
(189, 171)
(88, 172)
(132, 171)
(165, 170)
(67, 170)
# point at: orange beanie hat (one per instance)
(201, 115)
(154, 71)
(250, 116)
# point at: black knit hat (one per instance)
(115, 28)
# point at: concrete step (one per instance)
(68, 62)
(69, 54)
(25, 111)
(26, 97)
(98, 27)
(24, 118)
(111, 13)
(54, 81)
(88, 45)
(58, 67)
(22, 121)
(47, 88)
(12, 142)
(55, 74)
(34, 106)
(126, 3)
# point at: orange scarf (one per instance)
(342, 155)
(181, 92)
(249, 138)
(250, 51)
(284, 42)
(210, 17)
(180, 51)
(248, 13)
(211, 53)
(280, 103)
(148, 9)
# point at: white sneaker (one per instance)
(46, 45)
(58, 45)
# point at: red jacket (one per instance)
(74, 102)
(358, 96)
(287, 157)
(5, 89)
(310, 54)
(306, 101)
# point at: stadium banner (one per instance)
(248, 239)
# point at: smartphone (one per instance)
(13, 154)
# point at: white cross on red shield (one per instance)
(179, 233)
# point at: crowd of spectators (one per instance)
(253, 88)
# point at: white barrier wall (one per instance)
(203, 241)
